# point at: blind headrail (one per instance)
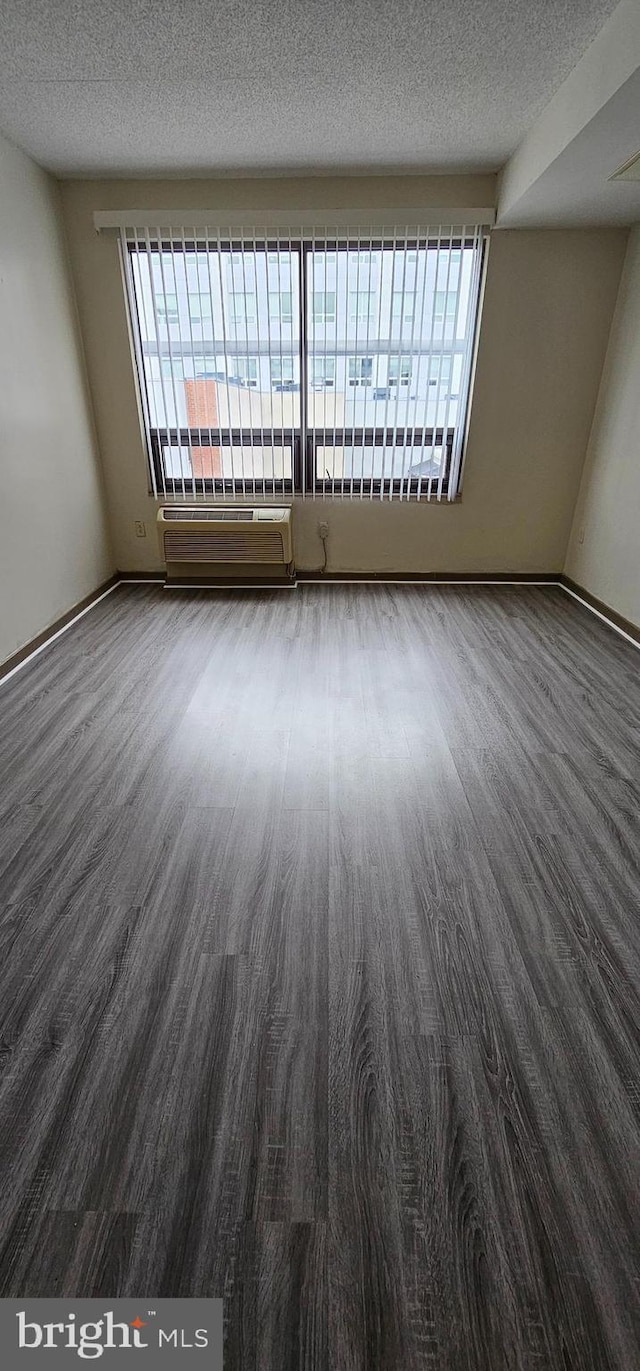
(356, 220)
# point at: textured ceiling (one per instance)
(152, 87)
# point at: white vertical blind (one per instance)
(324, 362)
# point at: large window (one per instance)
(317, 366)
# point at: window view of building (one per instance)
(387, 333)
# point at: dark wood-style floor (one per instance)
(320, 973)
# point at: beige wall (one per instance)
(607, 515)
(54, 546)
(548, 306)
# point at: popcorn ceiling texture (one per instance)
(154, 87)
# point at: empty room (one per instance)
(319, 650)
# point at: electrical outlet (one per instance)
(581, 535)
(323, 530)
(141, 529)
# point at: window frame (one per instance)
(303, 463)
(382, 438)
(225, 437)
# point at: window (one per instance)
(445, 306)
(167, 308)
(243, 307)
(440, 370)
(243, 370)
(360, 369)
(399, 371)
(199, 306)
(324, 306)
(282, 372)
(402, 305)
(171, 368)
(323, 372)
(223, 400)
(208, 367)
(360, 306)
(281, 305)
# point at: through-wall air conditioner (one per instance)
(219, 544)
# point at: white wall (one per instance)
(54, 546)
(548, 306)
(607, 515)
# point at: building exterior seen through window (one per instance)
(383, 343)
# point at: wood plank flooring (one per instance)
(320, 973)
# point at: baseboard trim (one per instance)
(36, 645)
(141, 577)
(230, 585)
(511, 578)
(625, 627)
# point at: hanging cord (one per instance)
(323, 532)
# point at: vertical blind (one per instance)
(331, 364)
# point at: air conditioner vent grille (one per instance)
(208, 516)
(255, 547)
(211, 515)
